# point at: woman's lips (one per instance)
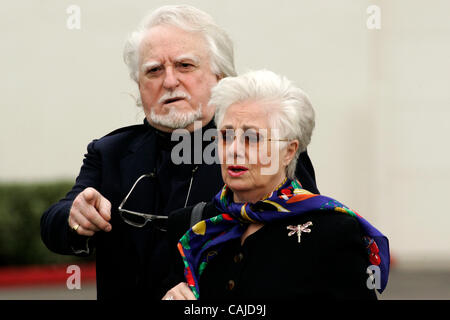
(236, 171)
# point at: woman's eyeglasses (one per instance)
(248, 138)
(139, 219)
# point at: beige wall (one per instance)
(381, 96)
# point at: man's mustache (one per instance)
(173, 95)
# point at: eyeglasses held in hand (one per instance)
(139, 219)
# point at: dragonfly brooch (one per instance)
(298, 229)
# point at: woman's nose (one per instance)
(235, 149)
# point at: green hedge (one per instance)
(21, 208)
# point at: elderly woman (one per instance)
(264, 236)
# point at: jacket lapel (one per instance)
(139, 161)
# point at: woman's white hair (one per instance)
(189, 19)
(290, 111)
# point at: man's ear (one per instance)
(291, 150)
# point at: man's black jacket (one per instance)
(133, 262)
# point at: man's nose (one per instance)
(170, 79)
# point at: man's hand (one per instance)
(180, 292)
(91, 212)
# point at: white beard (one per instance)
(175, 119)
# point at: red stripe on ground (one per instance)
(49, 274)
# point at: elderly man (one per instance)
(176, 57)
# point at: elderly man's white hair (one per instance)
(189, 19)
(290, 111)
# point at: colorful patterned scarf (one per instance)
(205, 239)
